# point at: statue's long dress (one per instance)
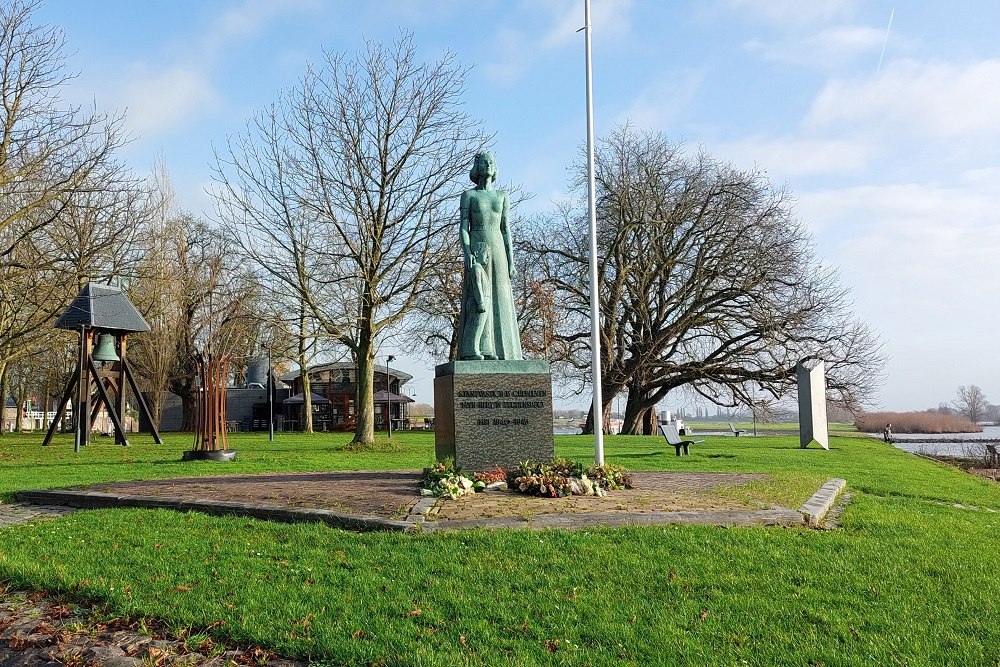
(485, 228)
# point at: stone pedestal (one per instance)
(490, 413)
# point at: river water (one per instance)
(924, 443)
(916, 443)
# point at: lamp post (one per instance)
(270, 399)
(388, 401)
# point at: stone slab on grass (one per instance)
(814, 509)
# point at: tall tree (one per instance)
(337, 191)
(707, 281)
(66, 204)
(49, 151)
(971, 402)
(155, 289)
(189, 286)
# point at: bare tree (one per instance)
(435, 316)
(706, 281)
(155, 289)
(66, 205)
(337, 191)
(225, 323)
(188, 280)
(971, 402)
(97, 234)
(49, 151)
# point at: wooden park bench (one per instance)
(669, 432)
(736, 431)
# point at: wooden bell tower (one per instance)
(104, 317)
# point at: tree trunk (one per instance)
(640, 410)
(156, 407)
(189, 410)
(307, 412)
(649, 421)
(365, 433)
(632, 420)
(19, 400)
(307, 404)
(3, 395)
(453, 344)
(606, 399)
(45, 406)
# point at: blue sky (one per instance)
(895, 166)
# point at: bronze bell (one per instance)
(105, 349)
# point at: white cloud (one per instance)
(663, 100)
(926, 100)
(160, 100)
(788, 13)
(609, 18)
(513, 51)
(250, 17)
(558, 26)
(788, 157)
(921, 261)
(164, 96)
(828, 49)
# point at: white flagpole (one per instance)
(595, 308)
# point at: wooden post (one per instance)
(83, 396)
(105, 398)
(67, 396)
(121, 438)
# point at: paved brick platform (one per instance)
(383, 494)
(379, 500)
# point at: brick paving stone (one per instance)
(14, 513)
(384, 494)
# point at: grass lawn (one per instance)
(909, 579)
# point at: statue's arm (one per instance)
(463, 230)
(505, 231)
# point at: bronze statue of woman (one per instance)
(488, 324)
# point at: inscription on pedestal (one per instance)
(493, 413)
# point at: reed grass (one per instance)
(915, 422)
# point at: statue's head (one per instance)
(483, 165)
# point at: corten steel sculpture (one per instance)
(221, 332)
(104, 317)
(210, 439)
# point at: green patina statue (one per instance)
(488, 324)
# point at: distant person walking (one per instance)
(887, 433)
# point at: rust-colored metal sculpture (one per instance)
(210, 439)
